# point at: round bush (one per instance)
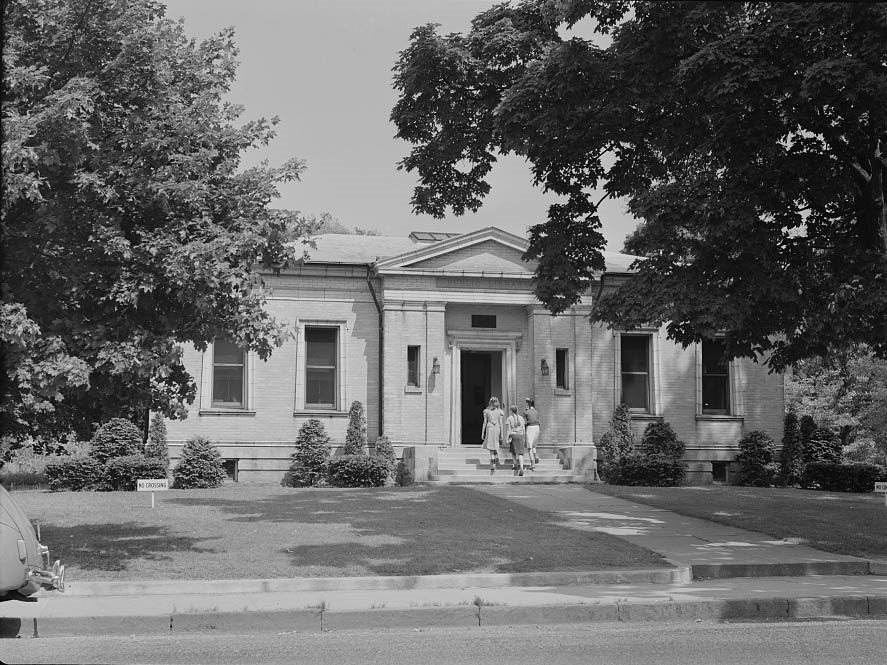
(755, 460)
(310, 459)
(660, 439)
(116, 438)
(200, 466)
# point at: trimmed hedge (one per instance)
(121, 473)
(116, 438)
(843, 477)
(652, 470)
(75, 473)
(358, 471)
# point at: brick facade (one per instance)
(426, 298)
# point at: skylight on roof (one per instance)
(431, 236)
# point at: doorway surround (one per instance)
(509, 343)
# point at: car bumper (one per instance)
(51, 578)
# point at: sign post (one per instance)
(882, 487)
(152, 485)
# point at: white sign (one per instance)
(881, 487)
(152, 485)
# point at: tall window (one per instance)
(229, 375)
(321, 355)
(562, 368)
(715, 378)
(635, 351)
(413, 366)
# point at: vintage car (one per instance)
(24, 562)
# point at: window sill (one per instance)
(226, 412)
(719, 417)
(329, 413)
(415, 390)
(561, 392)
(642, 415)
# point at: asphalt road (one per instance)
(807, 643)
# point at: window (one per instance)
(413, 366)
(321, 354)
(483, 321)
(229, 375)
(636, 372)
(719, 472)
(562, 368)
(715, 378)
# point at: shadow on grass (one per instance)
(422, 531)
(112, 547)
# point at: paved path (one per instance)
(711, 549)
(750, 576)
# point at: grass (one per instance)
(244, 532)
(854, 524)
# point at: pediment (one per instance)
(489, 251)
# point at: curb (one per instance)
(719, 571)
(677, 575)
(309, 620)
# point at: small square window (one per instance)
(413, 365)
(562, 368)
(483, 320)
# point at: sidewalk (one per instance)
(748, 576)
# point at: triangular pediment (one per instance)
(489, 251)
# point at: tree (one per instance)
(128, 222)
(847, 392)
(749, 137)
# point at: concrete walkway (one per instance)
(720, 573)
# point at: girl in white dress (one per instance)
(492, 431)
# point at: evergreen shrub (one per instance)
(824, 446)
(403, 476)
(116, 438)
(356, 435)
(756, 464)
(121, 473)
(791, 457)
(385, 452)
(74, 473)
(157, 446)
(660, 439)
(357, 471)
(832, 477)
(618, 440)
(657, 463)
(311, 457)
(200, 466)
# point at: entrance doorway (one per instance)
(481, 373)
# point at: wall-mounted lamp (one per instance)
(435, 366)
(544, 367)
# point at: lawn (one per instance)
(854, 524)
(244, 532)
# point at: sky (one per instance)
(324, 68)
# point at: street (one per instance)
(808, 643)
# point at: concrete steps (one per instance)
(466, 466)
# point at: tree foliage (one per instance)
(748, 136)
(129, 224)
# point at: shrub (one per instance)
(116, 438)
(843, 477)
(617, 441)
(824, 446)
(403, 476)
(356, 436)
(200, 466)
(638, 468)
(156, 445)
(312, 455)
(807, 427)
(660, 439)
(756, 465)
(358, 471)
(74, 473)
(385, 452)
(121, 473)
(791, 458)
